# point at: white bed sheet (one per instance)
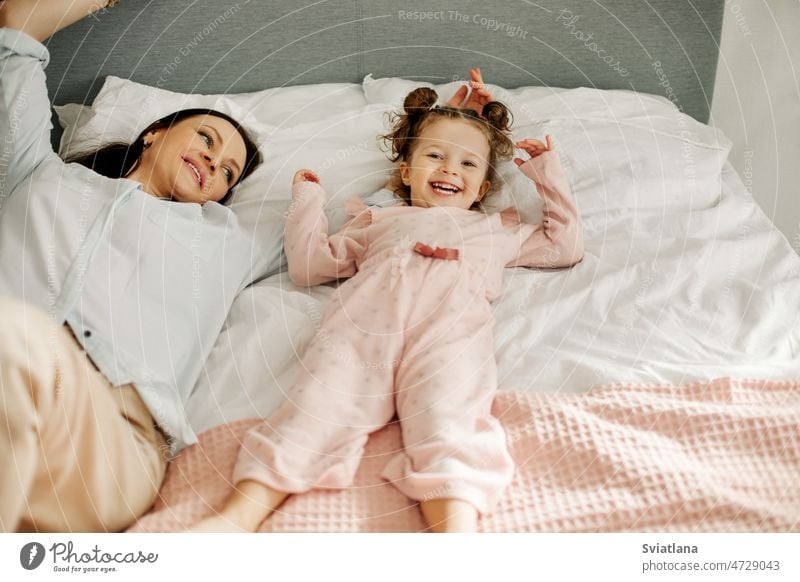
(662, 295)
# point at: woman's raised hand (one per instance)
(534, 148)
(305, 176)
(475, 100)
(41, 20)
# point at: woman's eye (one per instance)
(228, 174)
(207, 139)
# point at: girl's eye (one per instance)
(207, 139)
(472, 164)
(228, 174)
(435, 156)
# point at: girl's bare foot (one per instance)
(216, 524)
(450, 515)
(249, 505)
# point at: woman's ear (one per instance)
(149, 137)
(404, 171)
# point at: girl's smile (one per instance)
(445, 188)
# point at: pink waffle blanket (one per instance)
(714, 456)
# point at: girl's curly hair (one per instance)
(419, 111)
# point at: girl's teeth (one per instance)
(443, 188)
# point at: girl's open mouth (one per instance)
(445, 188)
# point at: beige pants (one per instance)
(76, 453)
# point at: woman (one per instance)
(111, 294)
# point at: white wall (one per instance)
(757, 104)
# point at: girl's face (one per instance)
(448, 166)
(196, 160)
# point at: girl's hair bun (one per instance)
(497, 115)
(419, 101)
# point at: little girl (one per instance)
(411, 331)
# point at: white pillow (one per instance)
(621, 150)
(394, 90)
(344, 150)
(624, 150)
(123, 108)
(71, 117)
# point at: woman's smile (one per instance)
(197, 174)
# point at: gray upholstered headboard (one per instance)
(666, 47)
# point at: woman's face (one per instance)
(196, 160)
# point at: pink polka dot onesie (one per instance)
(410, 332)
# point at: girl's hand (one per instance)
(305, 176)
(479, 97)
(534, 147)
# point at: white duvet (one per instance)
(684, 277)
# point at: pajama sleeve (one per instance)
(558, 240)
(314, 256)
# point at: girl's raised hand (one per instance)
(305, 176)
(534, 148)
(479, 97)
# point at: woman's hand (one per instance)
(41, 22)
(479, 96)
(305, 176)
(534, 148)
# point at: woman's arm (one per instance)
(24, 106)
(558, 241)
(41, 20)
(315, 257)
(24, 109)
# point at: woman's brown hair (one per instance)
(419, 110)
(118, 160)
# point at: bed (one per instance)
(655, 386)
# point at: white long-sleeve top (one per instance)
(144, 283)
